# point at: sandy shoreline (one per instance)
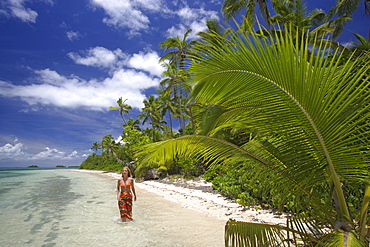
(199, 196)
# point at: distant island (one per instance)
(60, 166)
(33, 166)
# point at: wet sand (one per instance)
(200, 197)
(176, 225)
(160, 222)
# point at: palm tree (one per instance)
(151, 111)
(132, 124)
(172, 84)
(167, 105)
(176, 58)
(363, 44)
(293, 14)
(180, 49)
(348, 7)
(214, 35)
(96, 146)
(122, 108)
(231, 8)
(311, 114)
(343, 10)
(109, 146)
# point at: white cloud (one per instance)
(152, 5)
(73, 154)
(192, 18)
(25, 14)
(122, 13)
(148, 62)
(119, 140)
(55, 154)
(129, 77)
(187, 13)
(9, 150)
(73, 92)
(48, 154)
(17, 9)
(134, 15)
(103, 58)
(72, 36)
(99, 57)
(16, 152)
(131, 14)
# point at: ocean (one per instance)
(64, 207)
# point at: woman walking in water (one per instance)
(125, 189)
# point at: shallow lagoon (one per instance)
(62, 207)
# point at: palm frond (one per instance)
(245, 234)
(310, 112)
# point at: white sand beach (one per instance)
(199, 196)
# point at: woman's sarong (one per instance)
(125, 205)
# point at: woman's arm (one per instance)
(133, 188)
(118, 189)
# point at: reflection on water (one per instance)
(69, 208)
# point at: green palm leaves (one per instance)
(253, 234)
(122, 108)
(311, 116)
(316, 107)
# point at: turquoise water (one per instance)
(64, 207)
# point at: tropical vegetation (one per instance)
(276, 117)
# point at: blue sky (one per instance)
(63, 63)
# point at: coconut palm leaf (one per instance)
(243, 234)
(311, 113)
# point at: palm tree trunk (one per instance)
(192, 119)
(182, 122)
(364, 211)
(176, 95)
(129, 165)
(171, 127)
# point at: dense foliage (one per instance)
(100, 162)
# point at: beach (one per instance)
(73, 207)
(70, 207)
(199, 196)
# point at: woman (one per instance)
(125, 189)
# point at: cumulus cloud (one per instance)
(54, 154)
(11, 151)
(98, 57)
(73, 92)
(129, 77)
(123, 13)
(48, 153)
(192, 18)
(147, 62)
(103, 58)
(17, 152)
(131, 14)
(18, 9)
(134, 15)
